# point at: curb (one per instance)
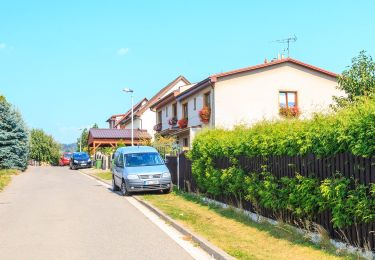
(211, 249)
(96, 177)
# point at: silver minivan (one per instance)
(139, 168)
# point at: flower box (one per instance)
(172, 121)
(157, 127)
(182, 123)
(289, 112)
(205, 114)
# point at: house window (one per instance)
(195, 104)
(185, 110)
(160, 116)
(166, 111)
(185, 142)
(207, 99)
(174, 110)
(287, 99)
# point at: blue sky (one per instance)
(63, 63)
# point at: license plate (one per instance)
(151, 182)
(83, 164)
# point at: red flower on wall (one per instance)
(289, 112)
(205, 114)
(182, 123)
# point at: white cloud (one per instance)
(2, 45)
(123, 51)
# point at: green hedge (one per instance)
(351, 129)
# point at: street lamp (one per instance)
(129, 90)
(80, 140)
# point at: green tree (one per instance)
(83, 140)
(358, 80)
(43, 147)
(13, 138)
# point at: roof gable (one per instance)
(213, 78)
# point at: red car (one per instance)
(65, 159)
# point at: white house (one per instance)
(285, 87)
(144, 118)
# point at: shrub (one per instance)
(350, 129)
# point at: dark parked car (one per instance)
(80, 160)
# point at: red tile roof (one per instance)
(139, 111)
(105, 133)
(213, 78)
(136, 108)
(272, 63)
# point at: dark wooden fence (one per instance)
(359, 168)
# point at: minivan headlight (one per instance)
(166, 175)
(132, 177)
(75, 161)
(89, 160)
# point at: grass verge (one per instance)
(104, 175)
(5, 177)
(238, 235)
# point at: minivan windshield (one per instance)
(81, 156)
(142, 159)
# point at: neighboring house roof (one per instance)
(136, 108)
(114, 117)
(161, 93)
(106, 133)
(213, 78)
(165, 100)
(170, 97)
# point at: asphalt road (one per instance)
(55, 213)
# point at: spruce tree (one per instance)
(13, 138)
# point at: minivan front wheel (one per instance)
(124, 191)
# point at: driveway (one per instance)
(55, 213)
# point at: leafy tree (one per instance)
(43, 147)
(13, 138)
(83, 140)
(164, 144)
(358, 80)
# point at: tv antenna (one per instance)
(287, 41)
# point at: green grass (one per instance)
(238, 235)
(5, 177)
(104, 175)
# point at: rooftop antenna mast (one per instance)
(287, 41)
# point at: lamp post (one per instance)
(80, 140)
(129, 90)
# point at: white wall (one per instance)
(193, 115)
(149, 121)
(137, 124)
(253, 96)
